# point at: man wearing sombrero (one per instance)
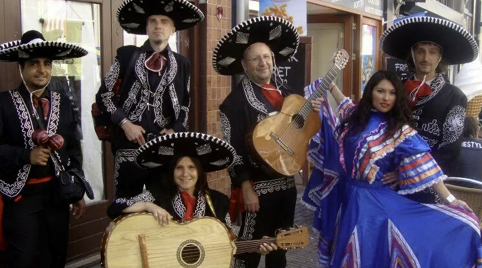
(34, 218)
(428, 44)
(253, 48)
(153, 97)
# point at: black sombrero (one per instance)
(279, 34)
(213, 153)
(33, 45)
(132, 14)
(458, 45)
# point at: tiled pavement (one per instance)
(297, 258)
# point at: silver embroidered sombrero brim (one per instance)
(279, 34)
(458, 45)
(213, 153)
(132, 14)
(33, 45)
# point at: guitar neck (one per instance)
(323, 87)
(248, 246)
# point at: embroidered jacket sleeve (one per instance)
(10, 154)
(418, 169)
(453, 126)
(107, 98)
(234, 130)
(185, 100)
(115, 209)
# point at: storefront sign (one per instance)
(292, 72)
(293, 11)
(372, 7)
(398, 66)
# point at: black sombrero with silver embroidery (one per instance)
(279, 34)
(132, 14)
(458, 45)
(213, 153)
(33, 45)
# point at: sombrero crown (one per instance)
(458, 45)
(33, 45)
(277, 33)
(132, 14)
(213, 153)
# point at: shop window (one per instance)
(77, 23)
(369, 55)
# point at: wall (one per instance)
(217, 87)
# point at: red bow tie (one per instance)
(155, 62)
(45, 105)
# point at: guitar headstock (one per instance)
(295, 238)
(340, 59)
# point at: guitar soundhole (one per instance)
(298, 121)
(190, 254)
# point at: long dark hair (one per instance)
(398, 116)
(471, 127)
(201, 184)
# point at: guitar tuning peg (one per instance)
(279, 231)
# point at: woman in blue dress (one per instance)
(362, 221)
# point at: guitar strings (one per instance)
(287, 136)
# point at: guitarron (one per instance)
(137, 240)
(279, 143)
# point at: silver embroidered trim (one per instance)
(203, 149)
(54, 116)
(180, 208)
(226, 61)
(249, 223)
(109, 82)
(132, 96)
(169, 7)
(220, 162)
(251, 96)
(138, 9)
(163, 150)
(264, 187)
(286, 51)
(432, 127)
(142, 197)
(131, 25)
(242, 38)
(453, 125)
(275, 33)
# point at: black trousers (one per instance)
(277, 200)
(36, 224)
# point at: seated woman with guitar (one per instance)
(187, 156)
(362, 220)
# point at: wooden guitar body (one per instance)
(280, 141)
(203, 242)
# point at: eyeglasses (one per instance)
(257, 60)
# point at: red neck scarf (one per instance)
(273, 95)
(190, 203)
(413, 95)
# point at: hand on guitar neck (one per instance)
(335, 92)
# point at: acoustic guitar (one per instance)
(137, 240)
(279, 143)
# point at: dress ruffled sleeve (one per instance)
(418, 169)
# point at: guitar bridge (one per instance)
(281, 144)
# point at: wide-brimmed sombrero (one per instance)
(132, 14)
(279, 34)
(213, 153)
(33, 45)
(458, 45)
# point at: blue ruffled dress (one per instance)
(363, 223)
